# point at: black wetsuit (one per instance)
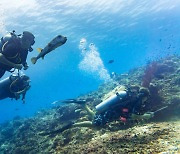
(14, 53)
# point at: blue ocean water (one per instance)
(129, 32)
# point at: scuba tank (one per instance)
(4, 88)
(11, 36)
(8, 37)
(111, 101)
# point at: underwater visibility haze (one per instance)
(102, 37)
(107, 79)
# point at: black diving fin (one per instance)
(68, 101)
(65, 127)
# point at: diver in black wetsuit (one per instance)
(14, 50)
(119, 106)
(123, 105)
(14, 86)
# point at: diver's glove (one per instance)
(30, 49)
(25, 66)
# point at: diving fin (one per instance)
(81, 101)
(69, 125)
(68, 101)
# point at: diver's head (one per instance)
(144, 94)
(25, 81)
(27, 40)
(20, 84)
(25, 77)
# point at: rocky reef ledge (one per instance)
(160, 134)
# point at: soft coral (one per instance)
(149, 74)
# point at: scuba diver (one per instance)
(120, 105)
(14, 50)
(14, 87)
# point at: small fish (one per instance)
(111, 61)
(169, 46)
(56, 42)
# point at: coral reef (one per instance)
(149, 73)
(157, 135)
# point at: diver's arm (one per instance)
(24, 58)
(7, 62)
(25, 65)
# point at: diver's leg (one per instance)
(89, 111)
(83, 124)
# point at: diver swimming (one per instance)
(52, 45)
(14, 50)
(14, 87)
(13, 54)
(119, 105)
(124, 105)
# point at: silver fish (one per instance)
(56, 42)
